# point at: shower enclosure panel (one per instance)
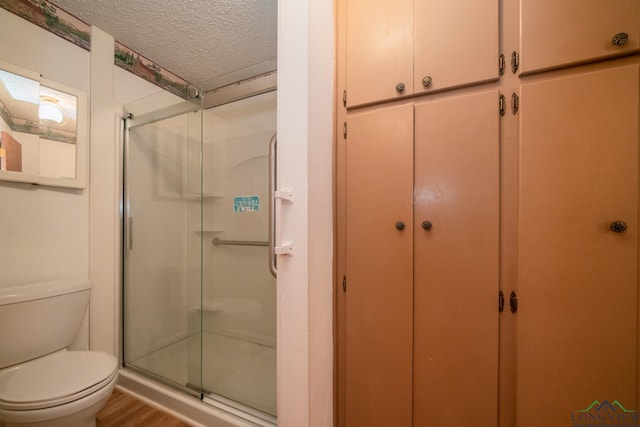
(162, 265)
(239, 306)
(199, 298)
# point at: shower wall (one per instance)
(236, 279)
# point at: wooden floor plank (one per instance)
(124, 410)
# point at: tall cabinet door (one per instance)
(379, 258)
(456, 261)
(455, 44)
(578, 263)
(557, 33)
(379, 50)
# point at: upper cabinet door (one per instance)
(455, 44)
(558, 33)
(379, 50)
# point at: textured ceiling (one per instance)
(209, 43)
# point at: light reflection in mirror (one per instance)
(38, 128)
(19, 123)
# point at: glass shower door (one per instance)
(199, 298)
(239, 290)
(162, 250)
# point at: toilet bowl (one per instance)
(42, 383)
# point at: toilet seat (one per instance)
(55, 379)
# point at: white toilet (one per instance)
(42, 384)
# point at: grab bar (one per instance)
(273, 171)
(219, 242)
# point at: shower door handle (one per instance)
(276, 197)
(273, 171)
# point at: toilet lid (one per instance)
(55, 379)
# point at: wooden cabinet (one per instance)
(456, 43)
(560, 33)
(420, 346)
(379, 258)
(530, 203)
(379, 50)
(578, 280)
(393, 47)
(456, 260)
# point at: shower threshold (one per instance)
(231, 406)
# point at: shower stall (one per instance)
(199, 295)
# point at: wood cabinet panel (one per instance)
(379, 50)
(577, 317)
(456, 43)
(389, 43)
(557, 33)
(379, 259)
(456, 262)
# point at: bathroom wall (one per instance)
(45, 231)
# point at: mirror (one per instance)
(42, 130)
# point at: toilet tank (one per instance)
(40, 318)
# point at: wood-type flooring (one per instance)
(124, 410)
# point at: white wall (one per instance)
(45, 230)
(305, 135)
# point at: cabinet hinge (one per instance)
(515, 61)
(344, 283)
(501, 301)
(501, 64)
(513, 302)
(502, 104)
(344, 130)
(344, 98)
(515, 102)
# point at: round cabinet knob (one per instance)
(400, 87)
(399, 225)
(427, 225)
(618, 226)
(426, 82)
(619, 39)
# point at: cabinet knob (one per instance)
(400, 87)
(426, 225)
(619, 39)
(399, 225)
(426, 82)
(618, 226)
